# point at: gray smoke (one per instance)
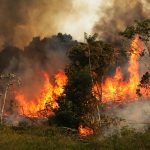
(116, 15)
(20, 20)
(41, 56)
(134, 115)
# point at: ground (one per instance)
(54, 138)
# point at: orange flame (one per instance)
(115, 88)
(85, 131)
(48, 96)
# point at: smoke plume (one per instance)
(116, 15)
(46, 55)
(133, 115)
(21, 20)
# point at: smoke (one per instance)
(48, 54)
(116, 15)
(15, 120)
(22, 20)
(134, 115)
(41, 56)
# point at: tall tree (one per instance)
(88, 66)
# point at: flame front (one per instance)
(85, 131)
(116, 89)
(48, 96)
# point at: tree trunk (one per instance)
(3, 105)
(99, 91)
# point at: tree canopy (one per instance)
(89, 63)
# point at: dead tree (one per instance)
(9, 80)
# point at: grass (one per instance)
(53, 138)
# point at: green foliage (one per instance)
(101, 54)
(140, 27)
(145, 79)
(89, 62)
(51, 120)
(77, 102)
(144, 85)
(45, 138)
(23, 124)
(39, 138)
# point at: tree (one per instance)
(140, 27)
(88, 65)
(101, 56)
(8, 80)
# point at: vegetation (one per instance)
(7, 80)
(88, 66)
(142, 28)
(44, 138)
(89, 63)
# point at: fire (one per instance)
(85, 131)
(47, 99)
(116, 89)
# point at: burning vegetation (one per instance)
(46, 99)
(85, 131)
(70, 80)
(117, 89)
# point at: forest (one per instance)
(59, 93)
(74, 75)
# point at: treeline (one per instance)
(85, 64)
(89, 65)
